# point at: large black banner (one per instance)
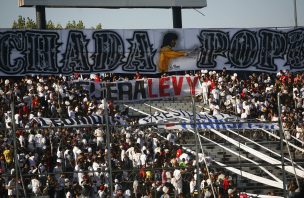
(149, 51)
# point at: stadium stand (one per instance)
(147, 161)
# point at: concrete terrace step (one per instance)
(144, 106)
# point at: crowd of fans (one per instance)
(256, 97)
(73, 162)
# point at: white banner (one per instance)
(179, 119)
(145, 89)
(26, 52)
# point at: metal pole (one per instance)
(108, 141)
(239, 157)
(15, 143)
(197, 138)
(196, 147)
(40, 17)
(22, 181)
(177, 17)
(281, 145)
(292, 162)
(295, 12)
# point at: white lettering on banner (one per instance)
(216, 124)
(148, 89)
(24, 52)
(173, 119)
(78, 121)
(178, 114)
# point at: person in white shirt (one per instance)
(143, 158)
(155, 143)
(168, 175)
(127, 193)
(247, 108)
(98, 133)
(192, 185)
(216, 110)
(11, 188)
(77, 175)
(299, 131)
(171, 137)
(166, 191)
(32, 160)
(76, 152)
(216, 95)
(178, 181)
(238, 106)
(130, 152)
(244, 114)
(122, 154)
(71, 112)
(205, 91)
(39, 141)
(140, 140)
(128, 138)
(30, 140)
(42, 170)
(35, 186)
(136, 159)
(97, 170)
(101, 192)
(135, 186)
(274, 117)
(21, 140)
(117, 186)
(59, 153)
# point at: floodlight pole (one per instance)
(106, 113)
(198, 180)
(13, 126)
(177, 17)
(295, 12)
(40, 17)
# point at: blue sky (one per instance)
(218, 14)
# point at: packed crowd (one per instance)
(256, 97)
(73, 162)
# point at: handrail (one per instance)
(265, 148)
(259, 154)
(277, 137)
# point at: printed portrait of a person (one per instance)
(167, 53)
